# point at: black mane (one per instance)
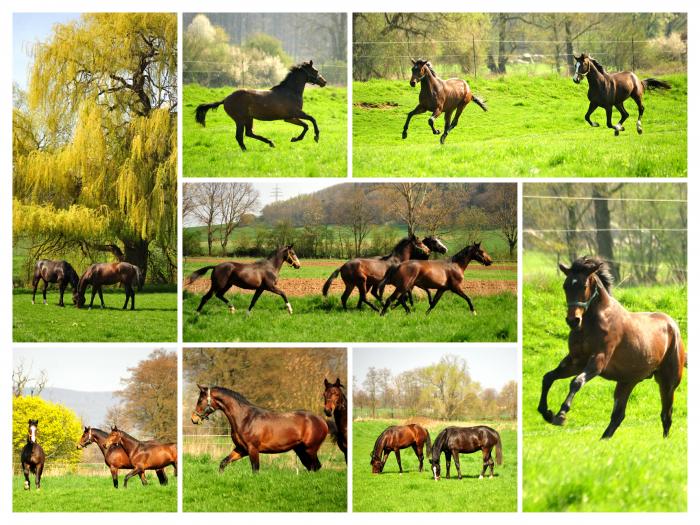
(461, 254)
(397, 249)
(376, 453)
(588, 265)
(438, 444)
(238, 397)
(293, 71)
(597, 64)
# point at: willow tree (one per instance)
(95, 138)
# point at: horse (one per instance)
(336, 404)
(455, 440)
(100, 274)
(143, 455)
(439, 96)
(607, 340)
(32, 456)
(260, 276)
(60, 272)
(115, 456)
(395, 438)
(282, 102)
(441, 275)
(365, 273)
(606, 90)
(255, 430)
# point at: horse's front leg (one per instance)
(308, 117)
(431, 121)
(273, 288)
(25, 471)
(416, 111)
(115, 476)
(298, 123)
(593, 368)
(235, 455)
(591, 108)
(102, 299)
(455, 455)
(37, 475)
(92, 298)
(608, 119)
(566, 368)
(130, 475)
(46, 285)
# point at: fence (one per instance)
(52, 468)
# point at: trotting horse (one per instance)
(60, 272)
(606, 90)
(255, 430)
(282, 102)
(32, 456)
(465, 440)
(395, 438)
(260, 276)
(143, 455)
(607, 340)
(336, 404)
(439, 96)
(101, 274)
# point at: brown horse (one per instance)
(32, 456)
(395, 438)
(60, 272)
(336, 404)
(465, 440)
(607, 340)
(440, 275)
(439, 96)
(260, 276)
(143, 455)
(282, 102)
(606, 90)
(255, 430)
(115, 456)
(100, 274)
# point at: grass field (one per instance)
(417, 491)
(213, 151)
(534, 127)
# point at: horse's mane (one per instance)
(438, 443)
(377, 444)
(597, 64)
(588, 265)
(290, 74)
(73, 276)
(430, 67)
(396, 249)
(462, 253)
(238, 397)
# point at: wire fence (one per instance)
(52, 468)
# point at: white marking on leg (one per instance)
(231, 309)
(289, 308)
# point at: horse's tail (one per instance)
(428, 446)
(139, 278)
(198, 273)
(654, 83)
(499, 449)
(480, 102)
(327, 284)
(201, 112)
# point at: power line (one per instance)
(578, 230)
(491, 41)
(631, 199)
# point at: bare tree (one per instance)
(234, 201)
(507, 214)
(357, 213)
(204, 206)
(406, 200)
(24, 384)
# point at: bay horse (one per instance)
(607, 340)
(101, 274)
(143, 455)
(260, 276)
(453, 441)
(336, 404)
(32, 456)
(398, 437)
(255, 430)
(441, 275)
(439, 96)
(60, 272)
(606, 90)
(115, 456)
(282, 102)
(366, 273)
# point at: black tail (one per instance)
(328, 282)
(198, 273)
(201, 111)
(139, 278)
(480, 102)
(499, 450)
(654, 83)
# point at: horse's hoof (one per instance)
(316, 138)
(559, 420)
(26, 485)
(45, 303)
(548, 416)
(594, 124)
(639, 128)
(33, 302)
(617, 132)
(272, 144)
(474, 313)
(481, 477)
(436, 132)
(232, 309)
(442, 139)
(404, 135)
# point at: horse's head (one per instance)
(290, 257)
(581, 287)
(206, 405)
(312, 74)
(376, 462)
(333, 396)
(581, 67)
(418, 248)
(435, 244)
(78, 298)
(85, 439)
(419, 70)
(32, 430)
(435, 467)
(113, 438)
(478, 254)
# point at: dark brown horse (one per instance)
(395, 438)
(336, 404)
(101, 274)
(439, 96)
(282, 102)
(606, 90)
(607, 340)
(60, 272)
(143, 455)
(259, 276)
(115, 456)
(255, 430)
(440, 275)
(32, 456)
(454, 441)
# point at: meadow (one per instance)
(534, 128)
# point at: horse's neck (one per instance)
(402, 254)
(234, 411)
(596, 77)
(429, 82)
(296, 84)
(99, 437)
(341, 411)
(277, 261)
(129, 444)
(462, 261)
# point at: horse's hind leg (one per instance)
(221, 296)
(419, 455)
(35, 284)
(46, 285)
(623, 115)
(127, 292)
(61, 290)
(115, 476)
(249, 133)
(460, 108)
(622, 394)
(205, 299)
(591, 108)
(240, 130)
(344, 298)
(254, 300)
(298, 123)
(416, 111)
(448, 118)
(668, 376)
(435, 300)
(640, 109)
(485, 454)
(390, 300)
(308, 117)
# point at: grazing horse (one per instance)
(336, 404)
(442, 275)
(255, 430)
(100, 274)
(115, 456)
(143, 455)
(260, 276)
(60, 272)
(32, 456)
(395, 438)
(439, 96)
(607, 340)
(455, 440)
(606, 90)
(282, 102)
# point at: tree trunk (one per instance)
(136, 252)
(502, 35)
(569, 47)
(603, 234)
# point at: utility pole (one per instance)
(276, 193)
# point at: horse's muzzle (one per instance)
(413, 83)
(321, 81)
(196, 420)
(575, 322)
(328, 412)
(576, 79)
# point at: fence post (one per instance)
(633, 60)
(474, 54)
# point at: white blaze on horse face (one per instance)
(32, 433)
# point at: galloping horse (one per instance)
(606, 90)
(255, 430)
(607, 340)
(32, 456)
(439, 96)
(60, 272)
(282, 102)
(100, 274)
(455, 440)
(143, 455)
(395, 438)
(336, 404)
(259, 276)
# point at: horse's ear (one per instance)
(326, 383)
(477, 244)
(564, 269)
(291, 246)
(201, 388)
(337, 381)
(413, 62)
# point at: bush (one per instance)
(190, 242)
